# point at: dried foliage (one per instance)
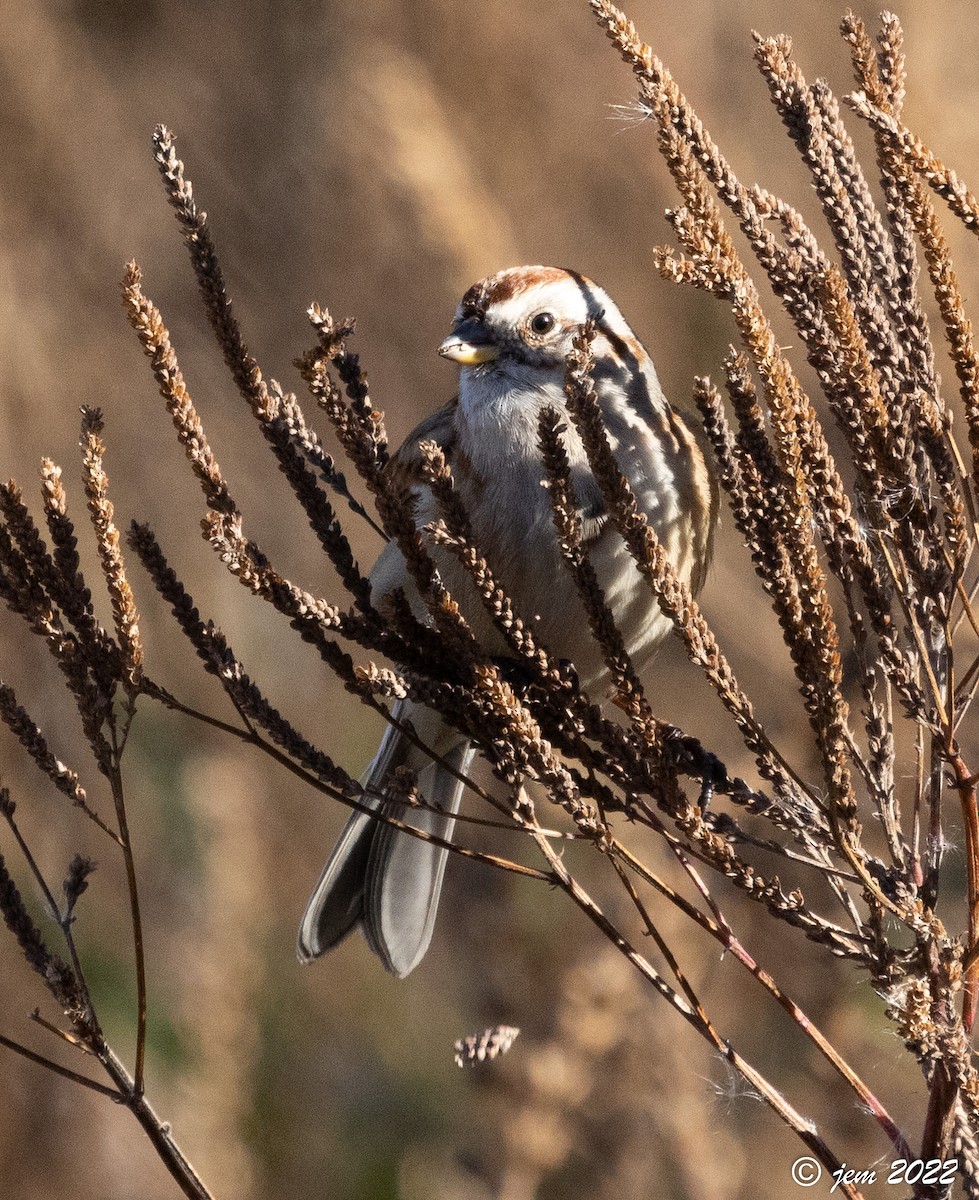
(866, 552)
(483, 1047)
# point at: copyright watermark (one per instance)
(807, 1172)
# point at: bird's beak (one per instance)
(467, 353)
(469, 344)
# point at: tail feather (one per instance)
(386, 881)
(404, 873)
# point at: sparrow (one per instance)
(511, 337)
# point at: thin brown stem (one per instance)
(132, 888)
(65, 1072)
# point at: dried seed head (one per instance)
(483, 1047)
(100, 507)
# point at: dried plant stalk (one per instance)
(871, 561)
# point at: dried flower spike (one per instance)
(483, 1047)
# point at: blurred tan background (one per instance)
(379, 157)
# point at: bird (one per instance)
(511, 337)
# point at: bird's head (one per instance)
(523, 320)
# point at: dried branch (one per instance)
(867, 557)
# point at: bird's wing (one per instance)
(404, 470)
(405, 465)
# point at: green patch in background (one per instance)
(157, 755)
(112, 983)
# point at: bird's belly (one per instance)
(550, 602)
(515, 534)
(528, 564)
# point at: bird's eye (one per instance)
(543, 322)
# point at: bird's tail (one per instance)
(384, 880)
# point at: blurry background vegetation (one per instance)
(379, 157)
